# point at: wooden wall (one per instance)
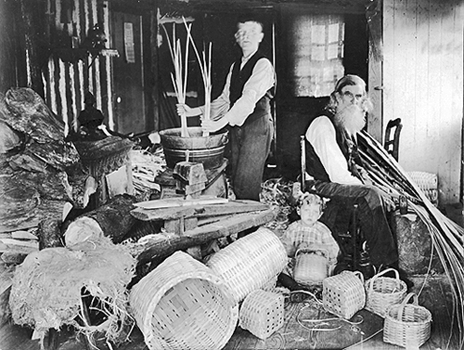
(423, 85)
(69, 74)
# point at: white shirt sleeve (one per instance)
(321, 135)
(260, 81)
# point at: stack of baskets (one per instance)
(182, 304)
(407, 325)
(262, 313)
(382, 292)
(250, 262)
(344, 294)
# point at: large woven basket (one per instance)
(407, 325)
(249, 262)
(182, 304)
(262, 313)
(311, 267)
(344, 294)
(382, 292)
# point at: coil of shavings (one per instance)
(276, 192)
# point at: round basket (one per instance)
(182, 304)
(407, 325)
(249, 262)
(382, 292)
(311, 266)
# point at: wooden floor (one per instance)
(434, 293)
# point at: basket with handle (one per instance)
(382, 292)
(344, 294)
(311, 266)
(262, 313)
(407, 325)
(249, 262)
(182, 304)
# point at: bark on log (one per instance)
(112, 219)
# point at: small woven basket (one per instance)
(182, 304)
(344, 294)
(311, 266)
(262, 313)
(382, 292)
(407, 325)
(249, 262)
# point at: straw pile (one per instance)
(47, 290)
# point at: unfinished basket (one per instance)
(182, 304)
(249, 262)
(311, 267)
(382, 292)
(262, 313)
(344, 294)
(407, 325)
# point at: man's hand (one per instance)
(184, 109)
(213, 125)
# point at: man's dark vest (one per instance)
(314, 166)
(237, 82)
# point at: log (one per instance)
(156, 251)
(49, 233)
(112, 219)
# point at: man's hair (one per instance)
(249, 18)
(348, 80)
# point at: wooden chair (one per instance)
(392, 137)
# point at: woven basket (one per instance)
(382, 292)
(344, 294)
(262, 313)
(407, 325)
(311, 266)
(182, 304)
(249, 262)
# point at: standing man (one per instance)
(333, 161)
(244, 108)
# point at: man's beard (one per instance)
(351, 118)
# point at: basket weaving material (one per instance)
(344, 294)
(382, 292)
(311, 266)
(182, 304)
(262, 313)
(249, 262)
(428, 183)
(407, 325)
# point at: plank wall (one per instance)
(423, 85)
(65, 81)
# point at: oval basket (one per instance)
(311, 266)
(407, 325)
(382, 292)
(182, 304)
(249, 262)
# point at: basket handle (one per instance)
(360, 275)
(371, 281)
(405, 301)
(324, 252)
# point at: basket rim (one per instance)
(208, 276)
(396, 319)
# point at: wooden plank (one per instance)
(179, 202)
(203, 234)
(199, 211)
